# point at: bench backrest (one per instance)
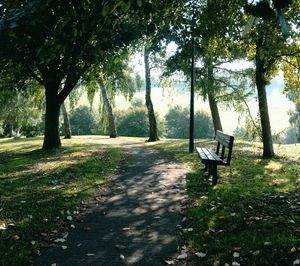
(224, 142)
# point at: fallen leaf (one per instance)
(32, 242)
(169, 262)
(3, 226)
(236, 255)
(184, 220)
(64, 247)
(256, 253)
(72, 226)
(15, 237)
(267, 244)
(292, 250)
(59, 240)
(200, 254)
(221, 218)
(122, 257)
(216, 263)
(69, 218)
(184, 247)
(296, 262)
(44, 234)
(37, 252)
(126, 228)
(182, 256)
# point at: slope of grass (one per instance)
(252, 217)
(39, 190)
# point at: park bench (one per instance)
(211, 160)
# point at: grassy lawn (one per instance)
(41, 192)
(252, 217)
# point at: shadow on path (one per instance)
(137, 219)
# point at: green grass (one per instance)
(254, 209)
(39, 190)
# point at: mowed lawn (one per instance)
(252, 217)
(42, 193)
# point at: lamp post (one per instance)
(191, 146)
(191, 140)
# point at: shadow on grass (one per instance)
(37, 188)
(254, 209)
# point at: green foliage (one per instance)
(177, 124)
(39, 189)
(133, 122)
(21, 105)
(83, 121)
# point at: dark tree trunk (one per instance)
(215, 113)
(111, 117)
(153, 136)
(260, 72)
(211, 98)
(66, 121)
(51, 136)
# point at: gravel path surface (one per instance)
(136, 222)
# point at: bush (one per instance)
(83, 121)
(177, 122)
(133, 122)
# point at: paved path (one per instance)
(137, 219)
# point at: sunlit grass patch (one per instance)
(38, 190)
(254, 210)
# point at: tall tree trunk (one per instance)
(51, 136)
(66, 121)
(260, 72)
(153, 136)
(215, 113)
(111, 117)
(211, 97)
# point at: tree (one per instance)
(215, 44)
(269, 43)
(177, 124)
(67, 126)
(111, 117)
(83, 121)
(113, 76)
(153, 134)
(61, 40)
(21, 102)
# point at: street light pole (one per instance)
(191, 143)
(191, 146)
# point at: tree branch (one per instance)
(35, 76)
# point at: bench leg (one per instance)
(214, 174)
